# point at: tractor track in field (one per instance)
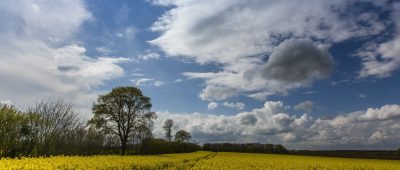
(188, 164)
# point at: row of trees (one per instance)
(248, 147)
(122, 122)
(50, 127)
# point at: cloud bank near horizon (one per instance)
(373, 128)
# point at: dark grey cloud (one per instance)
(298, 61)
(67, 68)
(248, 120)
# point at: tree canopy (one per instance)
(122, 112)
(182, 136)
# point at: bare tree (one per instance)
(168, 129)
(122, 112)
(51, 121)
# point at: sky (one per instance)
(317, 74)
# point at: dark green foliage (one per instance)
(182, 136)
(160, 146)
(123, 113)
(12, 131)
(248, 148)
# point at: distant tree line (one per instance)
(368, 154)
(121, 123)
(248, 147)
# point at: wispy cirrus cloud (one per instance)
(147, 82)
(381, 59)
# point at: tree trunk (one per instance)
(123, 146)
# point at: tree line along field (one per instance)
(201, 160)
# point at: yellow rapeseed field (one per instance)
(238, 161)
(201, 160)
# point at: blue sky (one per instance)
(307, 74)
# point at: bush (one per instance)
(161, 146)
(13, 132)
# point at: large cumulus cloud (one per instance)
(238, 36)
(292, 64)
(373, 128)
(41, 57)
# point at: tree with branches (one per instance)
(122, 112)
(182, 136)
(168, 129)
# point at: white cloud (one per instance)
(148, 82)
(6, 102)
(39, 58)
(103, 50)
(158, 83)
(292, 64)
(130, 33)
(162, 2)
(237, 105)
(377, 137)
(45, 20)
(261, 96)
(178, 80)
(362, 95)
(137, 74)
(149, 55)
(240, 127)
(382, 59)
(224, 31)
(212, 105)
(374, 128)
(239, 35)
(383, 113)
(216, 93)
(306, 106)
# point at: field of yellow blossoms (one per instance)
(200, 160)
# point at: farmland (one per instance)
(200, 160)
